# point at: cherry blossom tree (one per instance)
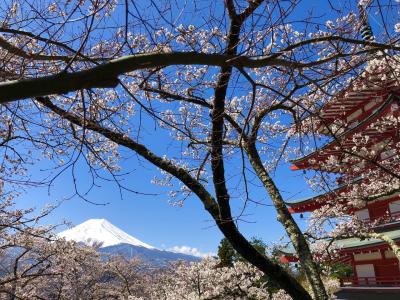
(22, 247)
(371, 167)
(205, 280)
(82, 81)
(78, 272)
(36, 264)
(208, 280)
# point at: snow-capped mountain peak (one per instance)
(101, 231)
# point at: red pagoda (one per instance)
(364, 142)
(361, 126)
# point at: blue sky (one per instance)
(151, 218)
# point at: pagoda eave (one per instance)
(345, 106)
(339, 194)
(323, 159)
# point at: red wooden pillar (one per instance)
(382, 250)
(353, 265)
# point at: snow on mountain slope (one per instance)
(100, 231)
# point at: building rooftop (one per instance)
(357, 243)
(344, 139)
(349, 243)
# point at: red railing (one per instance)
(371, 281)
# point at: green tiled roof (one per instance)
(336, 189)
(356, 242)
(349, 243)
(289, 250)
(297, 201)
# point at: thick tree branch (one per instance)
(106, 75)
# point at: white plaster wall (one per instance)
(365, 270)
(367, 256)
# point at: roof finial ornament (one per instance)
(366, 30)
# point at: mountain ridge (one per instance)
(102, 232)
(113, 241)
(154, 257)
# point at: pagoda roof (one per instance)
(365, 91)
(352, 243)
(286, 250)
(344, 141)
(315, 202)
(344, 106)
(347, 244)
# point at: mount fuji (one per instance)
(101, 232)
(112, 240)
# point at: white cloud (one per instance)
(190, 251)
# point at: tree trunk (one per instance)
(248, 252)
(296, 236)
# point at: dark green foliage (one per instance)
(259, 245)
(226, 253)
(341, 270)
